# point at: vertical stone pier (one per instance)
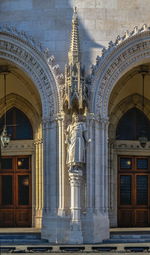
(75, 225)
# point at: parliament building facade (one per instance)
(74, 117)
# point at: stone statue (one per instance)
(76, 143)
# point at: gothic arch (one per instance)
(127, 52)
(23, 105)
(28, 55)
(126, 104)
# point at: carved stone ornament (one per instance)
(28, 54)
(120, 39)
(75, 89)
(116, 62)
(76, 144)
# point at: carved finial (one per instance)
(110, 44)
(103, 51)
(135, 30)
(75, 88)
(127, 34)
(75, 15)
(74, 52)
(144, 27)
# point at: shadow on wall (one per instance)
(49, 22)
(87, 43)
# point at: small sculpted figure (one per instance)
(76, 142)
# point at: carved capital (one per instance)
(48, 122)
(60, 116)
(75, 178)
(104, 121)
(38, 141)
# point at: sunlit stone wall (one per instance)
(49, 21)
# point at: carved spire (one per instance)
(75, 89)
(74, 52)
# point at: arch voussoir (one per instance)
(35, 65)
(132, 52)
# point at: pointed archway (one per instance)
(24, 54)
(127, 52)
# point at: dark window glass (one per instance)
(142, 190)
(6, 182)
(23, 192)
(142, 163)
(18, 125)
(132, 125)
(125, 189)
(6, 163)
(23, 163)
(125, 163)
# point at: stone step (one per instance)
(129, 237)
(23, 242)
(127, 241)
(21, 238)
(136, 236)
(74, 249)
(32, 236)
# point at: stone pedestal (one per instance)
(75, 235)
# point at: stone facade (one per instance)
(77, 202)
(50, 23)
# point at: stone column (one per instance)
(75, 184)
(99, 196)
(104, 165)
(89, 164)
(38, 182)
(49, 222)
(112, 192)
(110, 174)
(100, 167)
(61, 205)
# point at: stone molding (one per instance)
(19, 146)
(75, 178)
(125, 145)
(122, 57)
(28, 55)
(113, 45)
(48, 121)
(38, 141)
(36, 45)
(22, 35)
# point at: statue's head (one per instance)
(75, 117)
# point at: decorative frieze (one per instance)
(108, 72)
(22, 35)
(119, 40)
(19, 146)
(35, 44)
(43, 72)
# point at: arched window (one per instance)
(132, 123)
(18, 125)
